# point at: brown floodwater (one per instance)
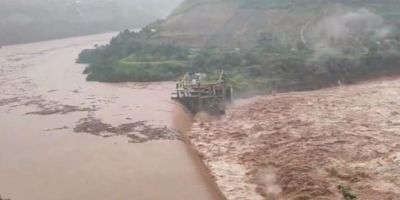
(42, 157)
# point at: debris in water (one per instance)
(52, 107)
(4, 102)
(138, 132)
(57, 129)
(61, 109)
(346, 192)
(309, 142)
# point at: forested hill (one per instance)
(33, 20)
(263, 45)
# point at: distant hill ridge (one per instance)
(238, 23)
(24, 21)
(262, 45)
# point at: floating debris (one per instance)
(138, 132)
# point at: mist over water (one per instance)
(338, 33)
(268, 178)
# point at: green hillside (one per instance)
(237, 23)
(263, 45)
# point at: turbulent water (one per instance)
(331, 144)
(62, 138)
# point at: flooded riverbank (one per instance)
(63, 138)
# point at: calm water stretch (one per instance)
(62, 138)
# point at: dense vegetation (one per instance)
(276, 66)
(270, 66)
(132, 56)
(363, 45)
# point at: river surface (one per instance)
(62, 138)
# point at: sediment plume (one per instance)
(182, 122)
(182, 119)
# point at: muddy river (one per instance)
(62, 138)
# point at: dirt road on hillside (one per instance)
(339, 143)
